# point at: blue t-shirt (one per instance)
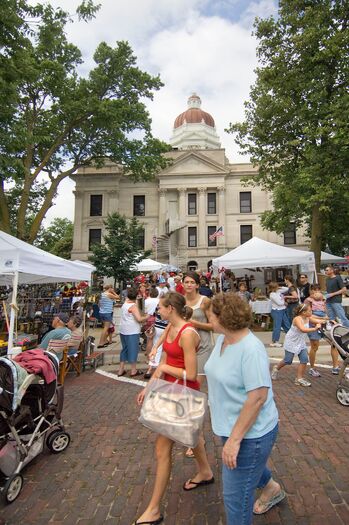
(242, 367)
(56, 333)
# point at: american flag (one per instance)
(154, 241)
(218, 233)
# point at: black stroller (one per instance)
(30, 415)
(338, 336)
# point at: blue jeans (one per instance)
(336, 310)
(240, 483)
(130, 348)
(289, 311)
(280, 319)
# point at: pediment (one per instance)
(192, 162)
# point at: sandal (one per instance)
(138, 373)
(103, 346)
(154, 522)
(267, 505)
(197, 483)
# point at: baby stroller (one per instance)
(338, 336)
(30, 415)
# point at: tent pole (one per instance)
(13, 311)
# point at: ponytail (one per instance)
(177, 301)
(187, 312)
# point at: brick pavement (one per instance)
(106, 475)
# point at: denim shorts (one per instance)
(316, 336)
(106, 318)
(302, 356)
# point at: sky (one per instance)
(201, 46)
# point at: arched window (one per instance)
(192, 266)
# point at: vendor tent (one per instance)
(22, 263)
(328, 258)
(148, 265)
(35, 266)
(258, 253)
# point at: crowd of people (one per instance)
(179, 314)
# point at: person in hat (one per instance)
(60, 329)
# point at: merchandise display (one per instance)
(36, 307)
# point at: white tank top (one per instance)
(128, 324)
(296, 340)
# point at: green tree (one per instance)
(53, 120)
(120, 251)
(296, 124)
(336, 231)
(57, 238)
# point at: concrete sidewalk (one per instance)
(112, 352)
(107, 473)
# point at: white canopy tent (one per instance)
(328, 258)
(258, 253)
(22, 263)
(149, 265)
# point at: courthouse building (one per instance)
(199, 194)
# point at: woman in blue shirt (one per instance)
(243, 412)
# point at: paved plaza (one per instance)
(107, 473)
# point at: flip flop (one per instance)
(122, 373)
(138, 373)
(198, 483)
(102, 346)
(267, 505)
(155, 522)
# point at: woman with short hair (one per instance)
(130, 329)
(243, 412)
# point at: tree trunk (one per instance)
(316, 235)
(4, 212)
(47, 204)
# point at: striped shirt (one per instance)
(105, 304)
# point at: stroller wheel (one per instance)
(12, 488)
(58, 441)
(343, 395)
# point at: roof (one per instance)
(194, 114)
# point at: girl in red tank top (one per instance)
(175, 356)
(179, 356)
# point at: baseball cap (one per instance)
(64, 317)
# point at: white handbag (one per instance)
(175, 411)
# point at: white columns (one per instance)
(113, 202)
(162, 210)
(182, 233)
(221, 241)
(78, 216)
(202, 217)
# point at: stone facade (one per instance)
(199, 192)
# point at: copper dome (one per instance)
(194, 114)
